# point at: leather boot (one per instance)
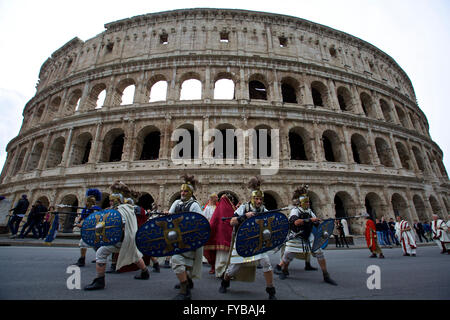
(190, 284)
(284, 274)
(156, 268)
(185, 292)
(271, 291)
(224, 285)
(327, 279)
(81, 262)
(143, 276)
(97, 284)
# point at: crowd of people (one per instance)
(220, 250)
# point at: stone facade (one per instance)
(345, 114)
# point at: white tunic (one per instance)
(209, 210)
(439, 228)
(296, 245)
(406, 237)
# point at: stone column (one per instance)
(373, 149)
(307, 95)
(64, 102)
(356, 101)
(412, 158)
(242, 91)
(395, 155)
(412, 214)
(94, 154)
(207, 87)
(110, 92)
(68, 143)
(394, 114)
(84, 97)
(332, 97)
(320, 154)
(44, 154)
(348, 146)
(140, 88)
(276, 95)
(129, 141)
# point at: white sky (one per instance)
(415, 33)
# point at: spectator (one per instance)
(419, 230)
(336, 234)
(379, 229)
(46, 222)
(391, 231)
(427, 230)
(34, 220)
(385, 231)
(341, 233)
(18, 213)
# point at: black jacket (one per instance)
(21, 206)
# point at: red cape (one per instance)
(220, 238)
(371, 235)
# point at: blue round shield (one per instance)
(173, 234)
(102, 228)
(322, 234)
(261, 233)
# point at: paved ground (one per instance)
(32, 271)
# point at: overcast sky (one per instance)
(415, 33)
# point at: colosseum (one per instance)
(339, 114)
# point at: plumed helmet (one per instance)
(255, 186)
(301, 193)
(188, 185)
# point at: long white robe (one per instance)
(129, 253)
(439, 229)
(406, 237)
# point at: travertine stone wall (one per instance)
(366, 141)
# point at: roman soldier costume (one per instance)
(244, 268)
(128, 252)
(93, 196)
(187, 265)
(301, 222)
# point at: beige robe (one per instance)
(129, 253)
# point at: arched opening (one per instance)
(402, 117)
(186, 140)
(19, 161)
(435, 207)
(35, 156)
(420, 208)
(344, 99)
(67, 220)
(386, 110)
(257, 90)
(288, 93)
(191, 89)
(128, 95)
(148, 144)
(96, 98)
(55, 153)
(116, 149)
(332, 146)
(145, 201)
(360, 149)
(373, 205)
(262, 142)
(269, 201)
(81, 149)
(158, 91)
(297, 146)
(399, 205)
(384, 152)
(225, 142)
(367, 105)
(44, 201)
(419, 158)
(319, 94)
(113, 146)
(403, 154)
(54, 108)
(224, 89)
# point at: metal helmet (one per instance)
(255, 185)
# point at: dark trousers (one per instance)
(30, 226)
(343, 240)
(338, 243)
(14, 223)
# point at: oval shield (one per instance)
(102, 228)
(261, 233)
(321, 234)
(173, 234)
